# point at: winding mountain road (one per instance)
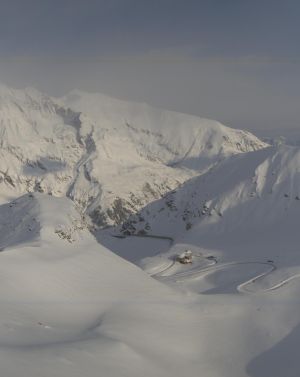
(199, 271)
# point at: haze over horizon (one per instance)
(236, 62)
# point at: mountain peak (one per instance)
(111, 157)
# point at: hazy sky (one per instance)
(237, 61)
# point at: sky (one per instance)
(237, 61)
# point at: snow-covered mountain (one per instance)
(71, 307)
(111, 157)
(240, 221)
(241, 197)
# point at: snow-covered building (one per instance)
(185, 257)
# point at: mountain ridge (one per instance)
(112, 157)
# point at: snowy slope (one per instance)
(173, 138)
(70, 307)
(245, 210)
(244, 194)
(240, 220)
(111, 157)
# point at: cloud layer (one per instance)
(233, 61)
